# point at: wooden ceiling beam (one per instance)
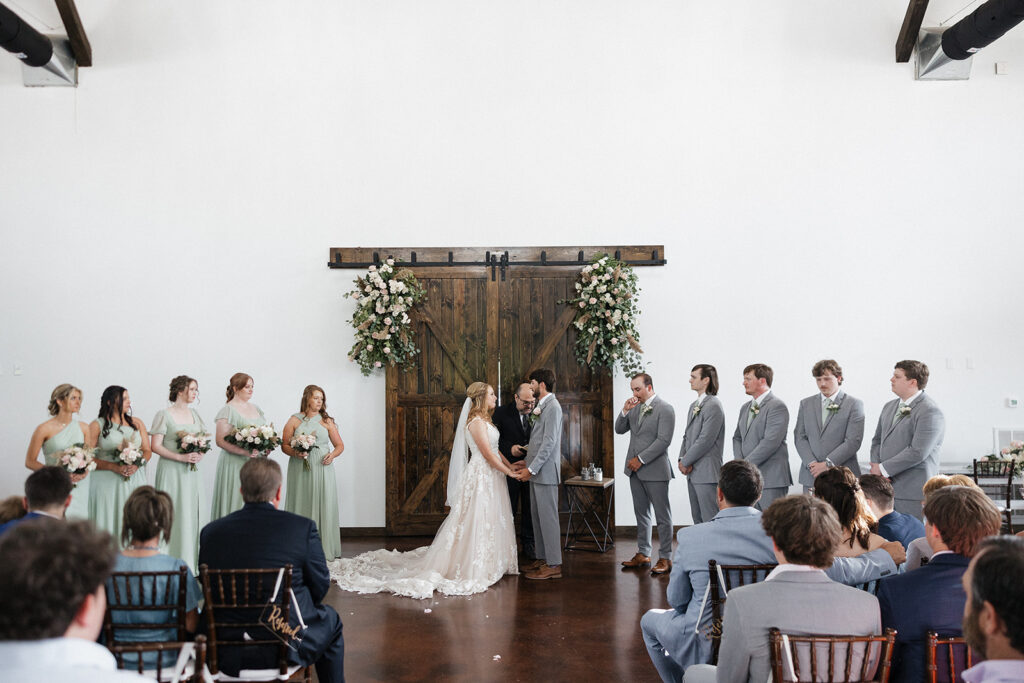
(80, 46)
(911, 27)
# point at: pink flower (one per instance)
(377, 364)
(593, 300)
(583, 304)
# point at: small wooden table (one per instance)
(585, 501)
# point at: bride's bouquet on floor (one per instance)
(77, 460)
(256, 440)
(130, 454)
(304, 443)
(194, 442)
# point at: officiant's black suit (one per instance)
(512, 433)
(260, 536)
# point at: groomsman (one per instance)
(513, 423)
(650, 423)
(760, 436)
(829, 426)
(909, 436)
(700, 457)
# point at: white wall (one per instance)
(173, 214)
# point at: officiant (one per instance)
(513, 423)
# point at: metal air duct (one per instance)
(945, 54)
(43, 61)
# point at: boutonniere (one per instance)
(832, 407)
(646, 410)
(903, 410)
(754, 408)
(535, 415)
(696, 409)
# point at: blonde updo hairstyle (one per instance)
(180, 385)
(61, 393)
(237, 381)
(477, 391)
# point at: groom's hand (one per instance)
(524, 474)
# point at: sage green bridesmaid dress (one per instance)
(109, 490)
(66, 438)
(314, 494)
(183, 485)
(226, 494)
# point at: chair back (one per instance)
(145, 607)
(947, 658)
(234, 601)
(830, 658)
(191, 671)
(995, 478)
(722, 578)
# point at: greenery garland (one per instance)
(607, 307)
(383, 330)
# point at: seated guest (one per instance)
(796, 597)
(52, 604)
(47, 494)
(678, 637)
(932, 599)
(892, 525)
(148, 516)
(838, 486)
(259, 536)
(919, 552)
(12, 507)
(994, 611)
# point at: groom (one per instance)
(543, 469)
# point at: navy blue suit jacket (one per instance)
(260, 536)
(927, 599)
(897, 526)
(7, 526)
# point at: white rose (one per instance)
(369, 347)
(373, 268)
(614, 340)
(593, 300)
(387, 350)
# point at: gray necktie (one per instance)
(824, 411)
(750, 414)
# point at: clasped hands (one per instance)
(520, 472)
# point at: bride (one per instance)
(476, 544)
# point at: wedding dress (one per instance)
(473, 549)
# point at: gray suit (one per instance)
(544, 460)
(794, 602)
(763, 443)
(909, 450)
(649, 439)
(837, 439)
(702, 448)
(674, 637)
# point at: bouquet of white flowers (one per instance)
(77, 459)
(130, 454)
(304, 443)
(1014, 452)
(258, 440)
(194, 442)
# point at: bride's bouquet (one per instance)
(130, 454)
(77, 460)
(304, 443)
(257, 440)
(194, 442)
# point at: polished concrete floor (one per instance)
(583, 627)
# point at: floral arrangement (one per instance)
(832, 406)
(77, 460)
(304, 443)
(194, 442)
(1014, 452)
(257, 440)
(382, 326)
(130, 454)
(606, 312)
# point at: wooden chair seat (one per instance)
(830, 658)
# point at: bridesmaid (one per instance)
(60, 432)
(314, 493)
(238, 413)
(174, 473)
(113, 481)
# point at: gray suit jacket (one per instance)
(838, 439)
(704, 441)
(649, 439)
(794, 602)
(544, 456)
(763, 443)
(909, 450)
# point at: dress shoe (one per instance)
(662, 567)
(532, 566)
(638, 560)
(545, 572)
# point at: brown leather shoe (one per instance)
(545, 572)
(638, 560)
(533, 565)
(662, 567)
